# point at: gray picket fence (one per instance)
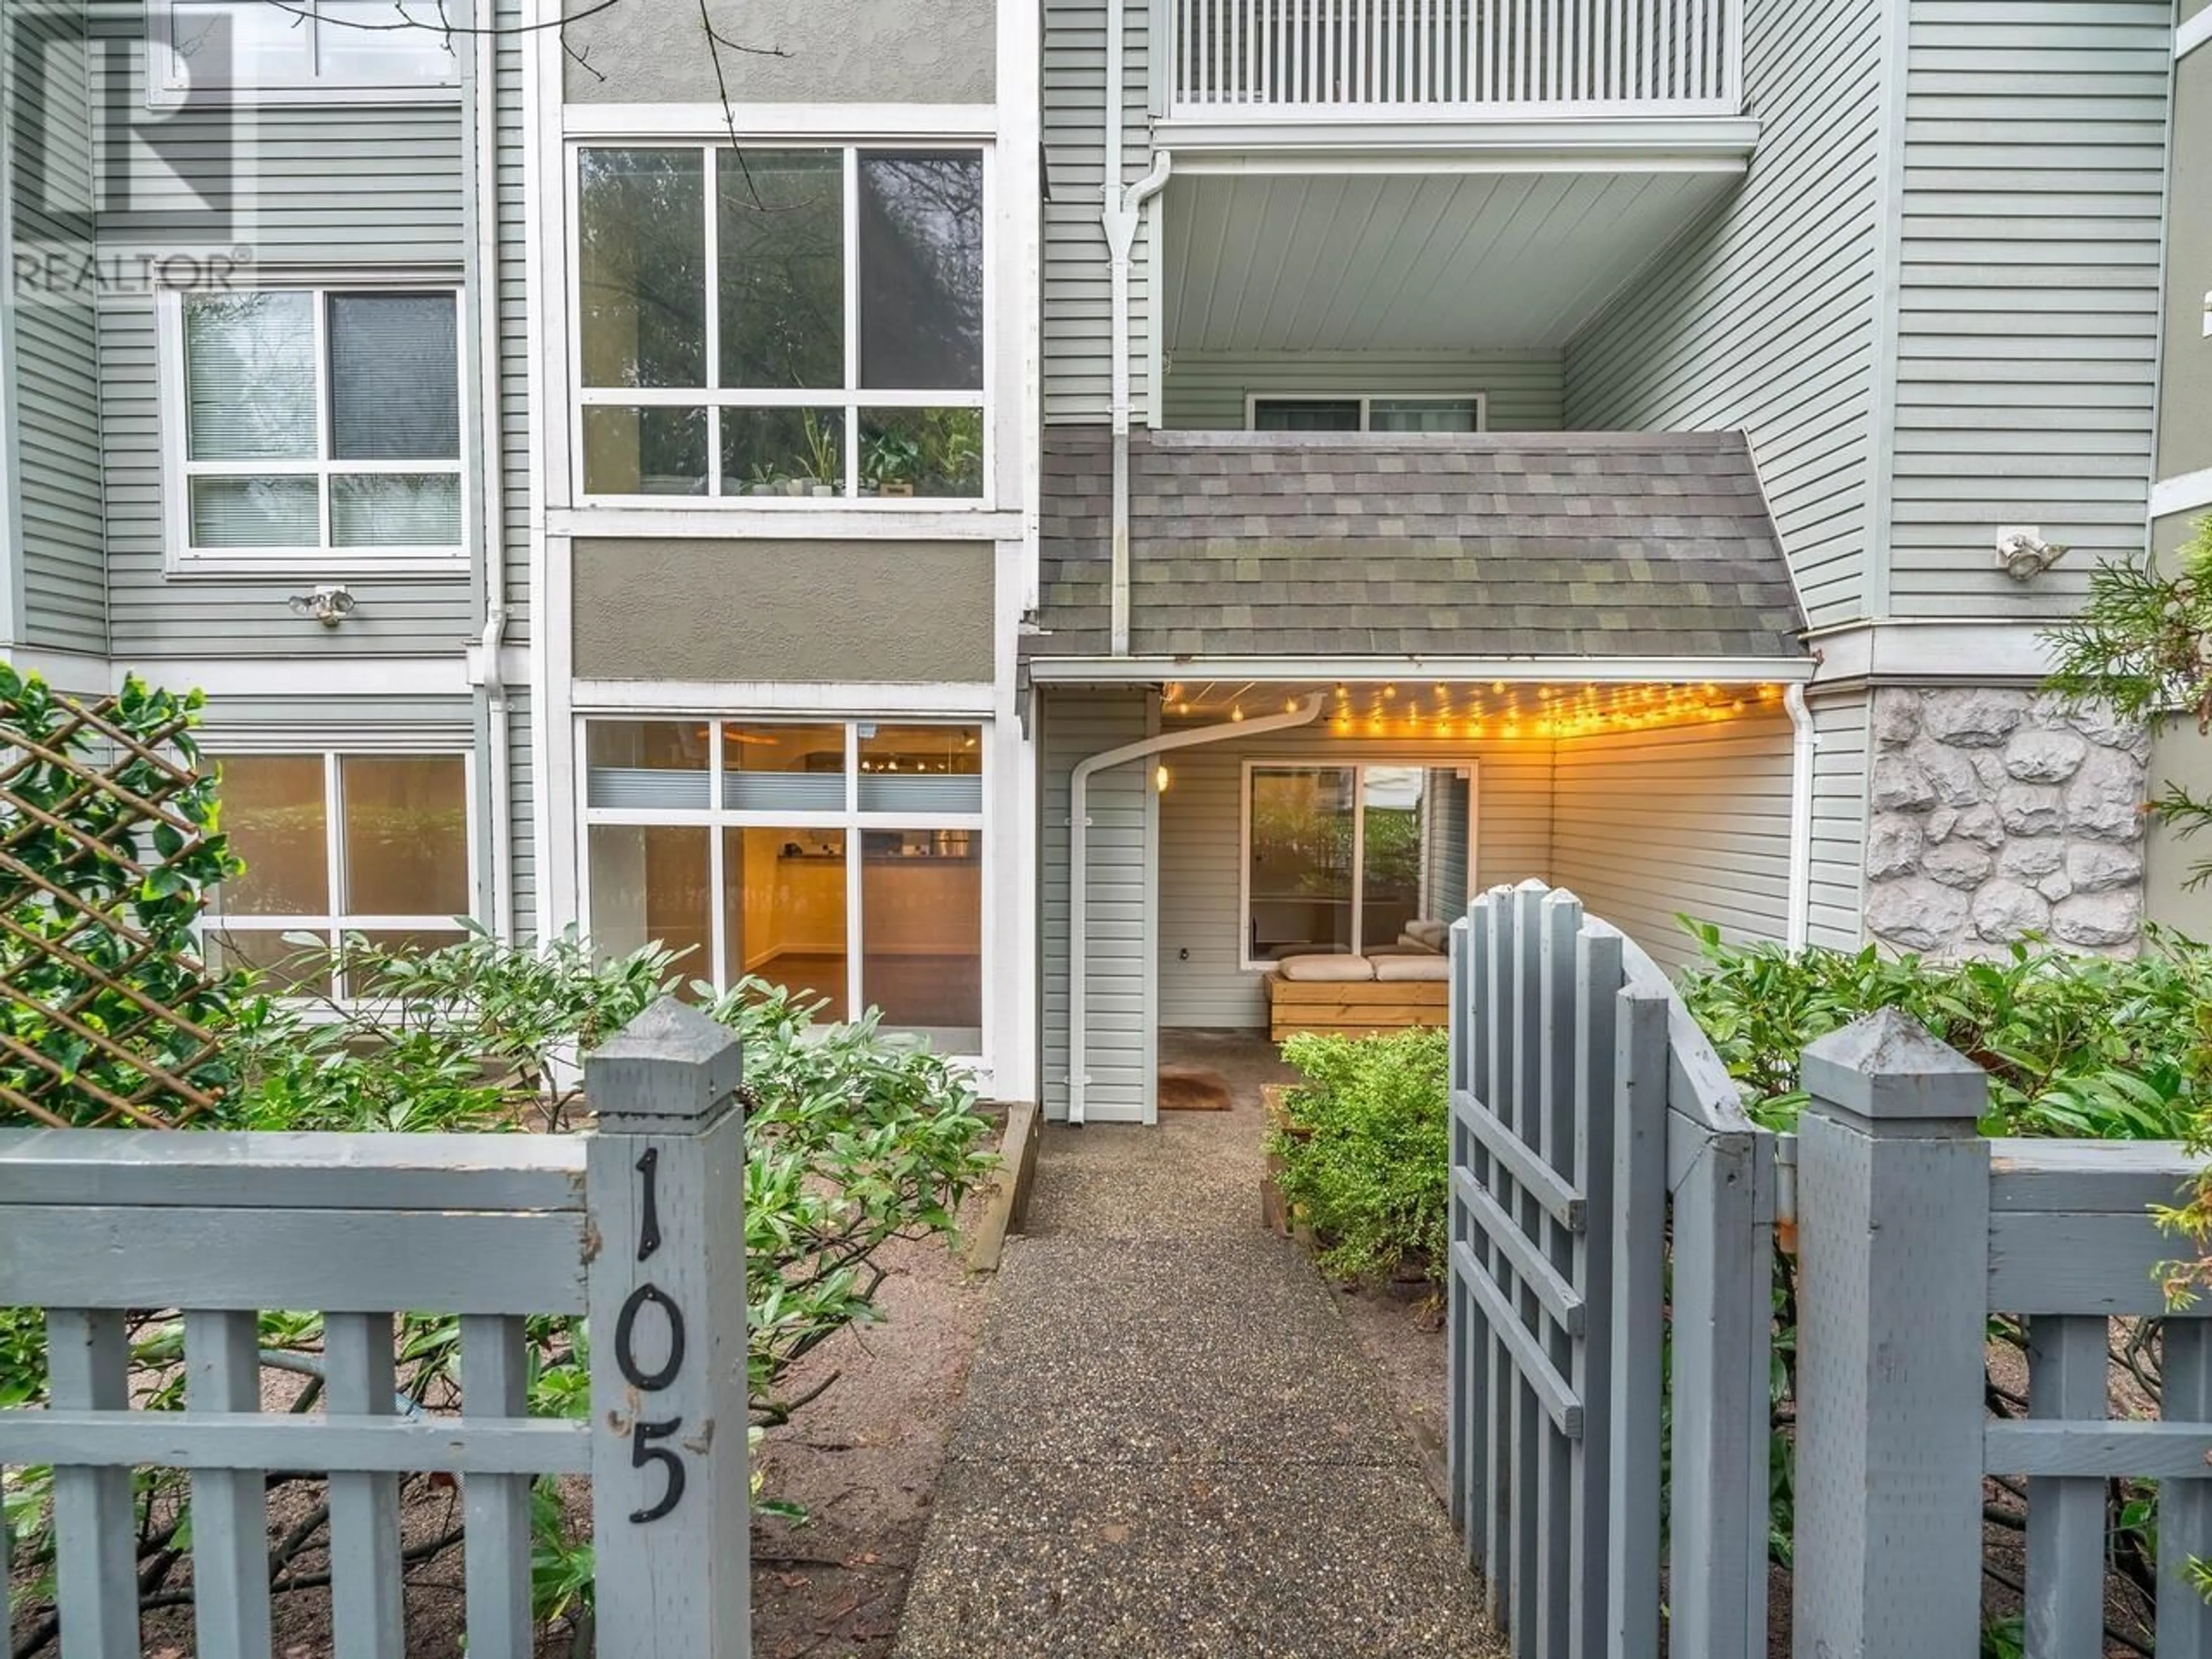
(1614, 1215)
(1584, 1100)
(638, 1225)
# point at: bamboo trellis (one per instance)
(98, 1027)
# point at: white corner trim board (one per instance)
(2193, 33)
(2186, 491)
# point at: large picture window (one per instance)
(334, 844)
(316, 424)
(840, 858)
(1342, 857)
(779, 324)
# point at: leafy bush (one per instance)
(852, 1141)
(1365, 1151)
(131, 858)
(2085, 1046)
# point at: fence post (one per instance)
(665, 1185)
(1893, 1208)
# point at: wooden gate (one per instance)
(1585, 1107)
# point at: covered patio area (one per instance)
(1564, 656)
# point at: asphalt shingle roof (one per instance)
(1322, 544)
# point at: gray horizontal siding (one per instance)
(2028, 308)
(52, 335)
(1201, 853)
(319, 190)
(1118, 913)
(1525, 389)
(392, 722)
(1682, 821)
(1078, 326)
(1763, 317)
(307, 183)
(1836, 916)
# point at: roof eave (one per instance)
(1139, 670)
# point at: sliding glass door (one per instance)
(1342, 858)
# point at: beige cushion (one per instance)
(1430, 933)
(1426, 967)
(1408, 944)
(1322, 968)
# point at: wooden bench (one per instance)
(1356, 1007)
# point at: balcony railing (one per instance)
(1451, 59)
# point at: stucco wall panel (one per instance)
(809, 612)
(833, 52)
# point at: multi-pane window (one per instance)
(335, 844)
(246, 46)
(318, 422)
(1341, 857)
(780, 324)
(842, 860)
(1366, 414)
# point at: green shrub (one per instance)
(1366, 1153)
(2091, 1047)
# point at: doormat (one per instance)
(1193, 1089)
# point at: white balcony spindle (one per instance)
(1475, 57)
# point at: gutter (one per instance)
(1120, 209)
(1078, 850)
(1804, 741)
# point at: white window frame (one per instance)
(1358, 763)
(848, 819)
(849, 398)
(182, 558)
(333, 924)
(169, 86)
(1367, 400)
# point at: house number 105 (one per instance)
(643, 1452)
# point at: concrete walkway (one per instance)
(1171, 1444)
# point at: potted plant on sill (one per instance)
(822, 466)
(893, 460)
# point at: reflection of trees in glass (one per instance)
(921, 271)
(1302, 834)
(641, 266)
(781, 234)
(249, 375)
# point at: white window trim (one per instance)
(1357, 763)
(1367, 400)
(848, 819)
(851, 398)
(165, 88)
(335, 923)
(181, 558)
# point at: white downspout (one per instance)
(1078, 850)
(491, 483)
(1119, 212)
(1804, 741)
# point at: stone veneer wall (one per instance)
(1996, 814)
